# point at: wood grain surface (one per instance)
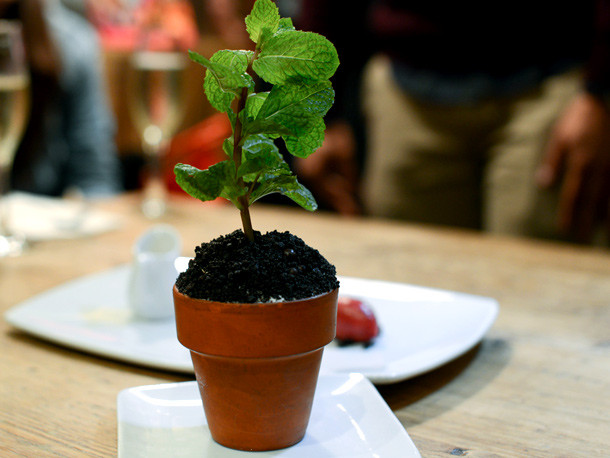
(537, 385)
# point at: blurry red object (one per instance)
(199, 146)
(356, 321)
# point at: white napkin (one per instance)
(45, 218)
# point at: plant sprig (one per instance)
(298, 66)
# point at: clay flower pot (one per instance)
(256, 365)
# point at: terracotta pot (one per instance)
(256, 365)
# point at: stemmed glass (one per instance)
(14, 109)
(156, 96)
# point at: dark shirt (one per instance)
(485, 48)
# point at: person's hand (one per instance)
(331, 172)
(578, 159)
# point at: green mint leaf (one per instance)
(216, 181)
(264, 14)
(264, 36)
(296, 107)
(225, 76)
(260, 154)
(227, 147)
(201, 184)
(287, 185)
(232, 118)
(254, 103)
(285, 25)
(307, 143)
(296, 56)
(264, 126)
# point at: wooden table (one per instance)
(538, 384)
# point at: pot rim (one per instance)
(266, 329)
(177, 291)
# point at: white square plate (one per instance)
(421, 328)
(349, 419)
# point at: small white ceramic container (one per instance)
(153, 273)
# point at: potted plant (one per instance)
(256, 310)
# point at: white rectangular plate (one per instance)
(421, 328)
(349, 419)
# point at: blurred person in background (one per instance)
(492, 117)
(68, 145)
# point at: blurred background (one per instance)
(455, 116)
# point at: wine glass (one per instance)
(156, 102)
(14, 109)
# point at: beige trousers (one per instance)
(462, 166)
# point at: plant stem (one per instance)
(237, 152)
(247, 223)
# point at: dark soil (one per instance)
(275, 266)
